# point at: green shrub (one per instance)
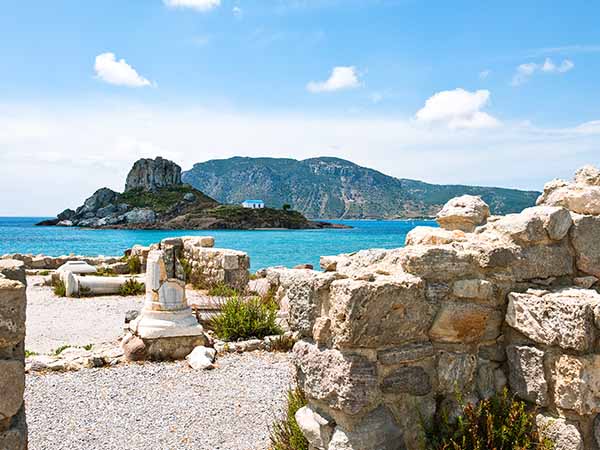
(105, 272)
(244, 319)
(44, 273)
(223, 290)
(187, 269)
(59, 288)
(132, 287)
(29, 353)
(134, 264)
(197, 279)
(61, 349)
(285, 433)
(500, 423)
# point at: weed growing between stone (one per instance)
(59, 288)
(223, 290)
(132, 287)
(285, 433)
(61, 349)
(500, 423)
(244, 319)
(134, 264)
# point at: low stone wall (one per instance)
(13, 303)
(389, 336)
(43, 262)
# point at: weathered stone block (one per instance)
(316, 429)
(473, 289)
(12, 387)
(456, 372)
(586, 242)
(564, 318)
(563, 434)
(465, 323)
(407, 353)
(543, 261)
(13, 303)
(433, 236)
(377, 431)
(343, 381)
(577, 383)
(463, 213)
(388, 311)
(442, 262)
(13, 270)
(15, 437)
(413, 380)
(526, 376)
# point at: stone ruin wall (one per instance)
(13, 303)
(389, 336)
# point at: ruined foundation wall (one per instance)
(389, 336)
(13, 302)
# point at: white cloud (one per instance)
(458, 109)
(237, 12)
(342, 77)
(484, 74)
(76, 149)
(120, 73)
(526, 71)
(376, 97)
(198, 5)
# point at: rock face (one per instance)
(152, 174)
(485, 302)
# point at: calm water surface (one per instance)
(266, 248)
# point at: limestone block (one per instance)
(433, 236)
(443, 262)
(12, 386)
(316, 429)
(230, 262)
(456, 372)
(377, 431)
(585, 237)
(413, 380)
(346, 382)
(305, 292)
(465, 323)
(390, 310)
(463, 213)
(543, 261)
(588, 175)
(526, 376)
(15, 438)
(581, 199)
(577, 383)
(585, 282)
(407, 353)
(13, 270)
(564, 318)
(563, 434)
(13, 303)
(473, 289)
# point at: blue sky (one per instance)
(493, 93)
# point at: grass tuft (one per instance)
(223, 290)
(285, 433)
(132, 287)
(500, 423)
(61, 349)
(135, 264)
(59, 288)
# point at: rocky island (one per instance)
(156, 198)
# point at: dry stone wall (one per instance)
(13, 303)
(389, 336)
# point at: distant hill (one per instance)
(334, 188)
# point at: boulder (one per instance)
(316, 429)
(134, 348)
(387, 311)
(433, 236)
(563, 434)
(152, 174)
(564, 318)
(536, 224)
(526, 375)
(581, 199)
(140, 215)
(201, 358)
(463, 213)
(586, 242)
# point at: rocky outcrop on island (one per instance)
(333, 188)
(155, 198)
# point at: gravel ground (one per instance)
(54, 321)
(159, 405)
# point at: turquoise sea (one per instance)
(266, 248)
